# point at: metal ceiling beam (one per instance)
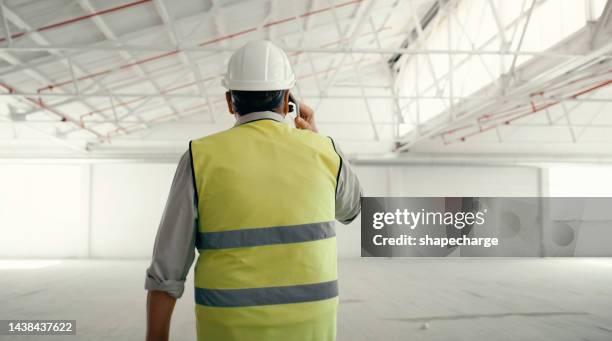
(36, 36)
(110, 35)
(331, 78)
(313, 49)
(104, 74)
(507, 118)
(168, 19)
(391, 75)
(420, 41)
(339, 123)
(530, 82)
(603, 30)
(501, 31)
(123, 44)
(509, 99)
(514, 23)
(118, 86)
(303, 28)
(5, 25)
(521, 39)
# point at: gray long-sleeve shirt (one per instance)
(174, 249)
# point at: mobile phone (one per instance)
(294, 106)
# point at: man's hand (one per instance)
(305, 119)
(159, 311)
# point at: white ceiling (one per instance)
(93, 78)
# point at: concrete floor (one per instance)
(381, 299)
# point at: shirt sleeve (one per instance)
(348, 191)
(174, 248)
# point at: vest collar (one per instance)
(254, 116)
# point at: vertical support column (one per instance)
(543, 193)
(450, 81)
(85, 209)
(588, 10)
(388, 180)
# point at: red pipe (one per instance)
(532, 104)
(535, 109)
(190, 84)
(128, 127)
(574, 96)
(548, 90)
(448, 132)
(212, 77)
(277, 22)
(8, 88)
(63, 117)
(480, 131)
(212, 41)
(107, 71)
(143, 97)
(597, 74)
(538, 93)
(146, 60)
(507, 122)
(77, 19)
(591, 89)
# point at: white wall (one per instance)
(40, 211)
(127, 202)
(579, 181)
(45, 210)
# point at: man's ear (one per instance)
(286, 102)
(230, 105)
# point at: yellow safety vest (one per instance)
(267, 249)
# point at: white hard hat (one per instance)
(259, 66)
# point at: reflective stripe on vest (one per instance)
(265, 236)
(266, 268)
(266, 296)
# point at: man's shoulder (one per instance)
(312, 136)
(212, 137)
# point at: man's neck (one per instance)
(260, 115)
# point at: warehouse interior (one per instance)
(427, 98)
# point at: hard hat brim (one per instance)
(257, 86)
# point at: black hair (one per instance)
(247, 102)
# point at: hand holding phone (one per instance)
(294, 106)
(304, 118)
